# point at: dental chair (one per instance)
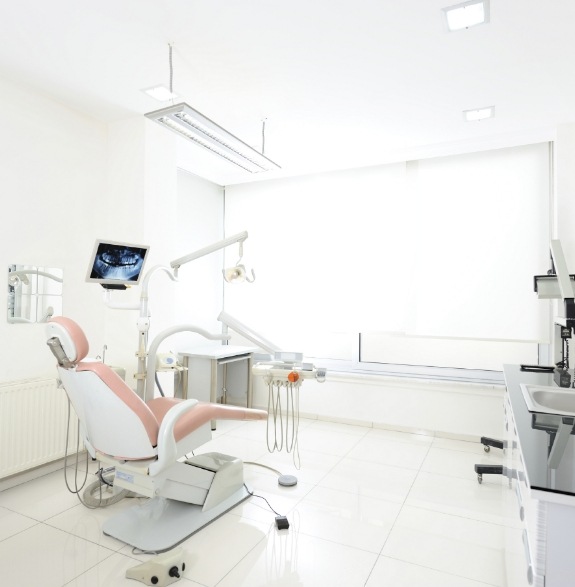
(147, 444)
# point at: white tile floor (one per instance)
(372, 508)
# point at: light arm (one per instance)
(236, 238)
(248, 333)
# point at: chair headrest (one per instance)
(72, 338)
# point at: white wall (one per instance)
(142, 187)
(564, 209)
(565, 192)
(174, 213)
(67, 180)
(442, 408)
(198, 223)
(53, 194)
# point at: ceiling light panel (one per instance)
(466, 15)
(479, 114)
(196, 127)
(160, 93)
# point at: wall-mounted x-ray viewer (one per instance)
(116, 265)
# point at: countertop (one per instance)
(217, 351)
(535, 433)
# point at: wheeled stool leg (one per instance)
(491, 442)
(487, 470)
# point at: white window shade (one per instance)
(481, 222)
(442, 247)
(323, 249)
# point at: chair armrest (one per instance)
(167, 451)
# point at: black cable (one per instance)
(158, 384)
(262, 497)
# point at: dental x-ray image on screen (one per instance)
(115, 263)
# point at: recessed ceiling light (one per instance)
(479, 114)
(160, 93)
(466, 14)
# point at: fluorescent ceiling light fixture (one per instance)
(479, 114)
(199, 129)
(466, 14)
(160, 93)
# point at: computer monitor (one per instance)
(116, 265)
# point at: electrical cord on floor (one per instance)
(279, 473)
(283, 480)
(281, 521)
(261, 497)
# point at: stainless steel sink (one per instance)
(549, 400)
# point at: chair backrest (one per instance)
(115, 420)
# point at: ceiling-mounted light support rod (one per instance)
(196, 127)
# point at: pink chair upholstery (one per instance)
(116, 421)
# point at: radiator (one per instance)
(33, 421)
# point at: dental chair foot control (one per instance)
(282, 523)
(164, 569)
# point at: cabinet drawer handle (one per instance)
(528, 558)
(520, 504)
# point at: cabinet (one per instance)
(542, 498)
(211, 373)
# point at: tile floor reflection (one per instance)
(372, 508)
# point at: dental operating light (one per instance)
(196, 127)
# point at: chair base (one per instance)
(160, 524)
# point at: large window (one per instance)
(437, 254)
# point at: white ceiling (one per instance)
(342, 83)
